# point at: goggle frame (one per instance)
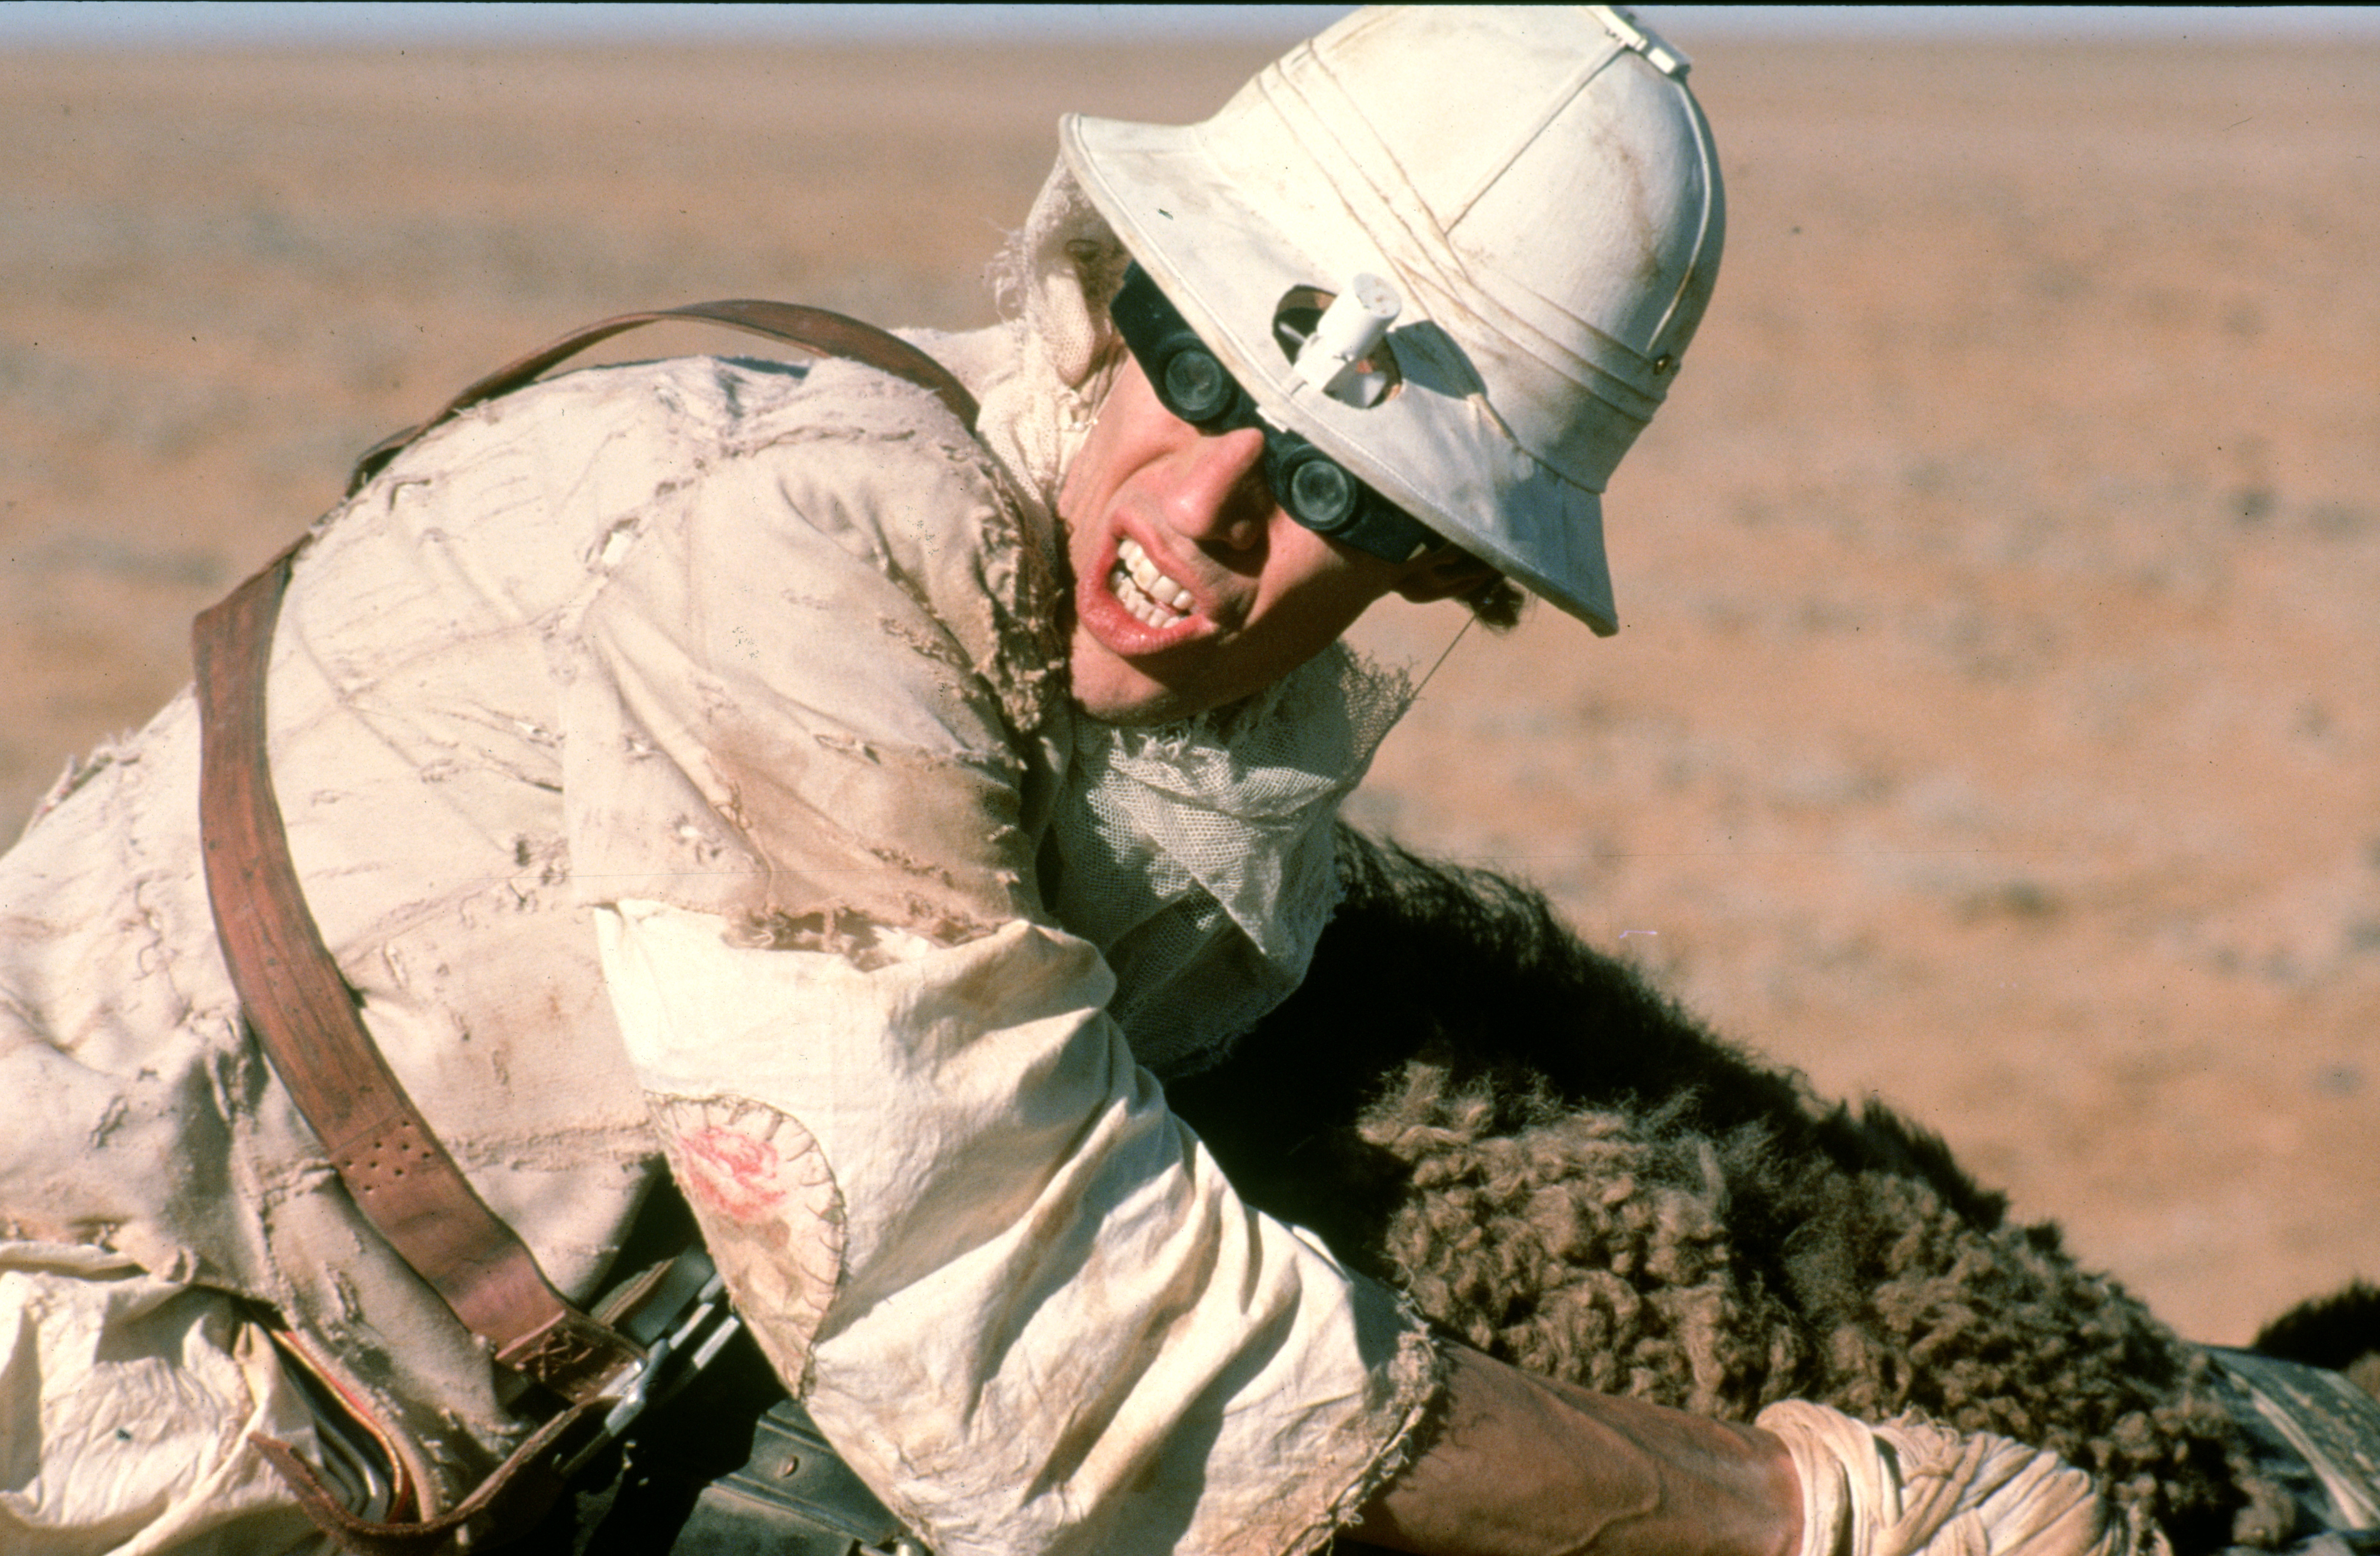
(1191, 383)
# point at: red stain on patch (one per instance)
(731, 1171)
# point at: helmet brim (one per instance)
(1435, 447)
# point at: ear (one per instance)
(1442, 574)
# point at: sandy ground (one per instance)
(1997, 717)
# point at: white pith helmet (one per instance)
(1539, 189)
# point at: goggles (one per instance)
(1310, 486)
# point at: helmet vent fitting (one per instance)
(1339, 342)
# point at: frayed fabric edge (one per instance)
(1417, 1377)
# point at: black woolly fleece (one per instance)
(1562, 1169)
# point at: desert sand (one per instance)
(1997, 722)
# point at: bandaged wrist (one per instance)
(1908, 1486)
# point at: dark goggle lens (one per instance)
(1321, 495)
(1194, 386)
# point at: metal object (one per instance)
(688, 1329)
(1351, 329)
(793, 1497)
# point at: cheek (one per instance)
(1079, 474)
(1084, 486)
(1321, 628)
(1073, 502)
(1323, 589)
(1127, 431)
(1305, 623)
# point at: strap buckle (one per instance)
(682, 1321)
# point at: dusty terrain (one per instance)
(1997, 723)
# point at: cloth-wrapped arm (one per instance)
(1908, 1486)
(800, 714)
(1030, 1310)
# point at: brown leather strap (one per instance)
(301, 1010)
(501, 1507)
(304, 1016)
(815, 329)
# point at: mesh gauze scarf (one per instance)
(1196, 856)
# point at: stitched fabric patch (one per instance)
(770, 1212)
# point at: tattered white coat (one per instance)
(670, 754)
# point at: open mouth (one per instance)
(1152, 598)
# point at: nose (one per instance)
(1219, 497)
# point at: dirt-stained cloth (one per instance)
(667, 752)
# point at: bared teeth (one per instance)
(1154, 585)
(1144, 609)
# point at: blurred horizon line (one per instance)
(168, 25)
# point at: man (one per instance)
(708, 769)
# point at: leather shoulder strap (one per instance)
(814, 329)
(299, 1007)
(304, 1016)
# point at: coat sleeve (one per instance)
(1026, 1305)
(1018, 1294)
